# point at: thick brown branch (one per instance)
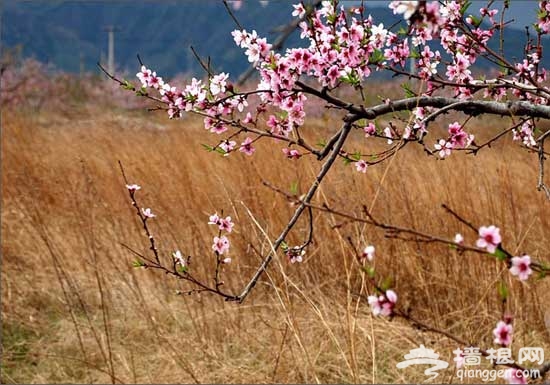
(470, 107)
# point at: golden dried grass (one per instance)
(74, 310)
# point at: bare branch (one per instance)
(313, 188)
(205, 66)
(230, 12)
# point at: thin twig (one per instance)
(541, 186)
(156, 263)
(230, 12)
(206, 67)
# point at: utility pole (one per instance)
(81, 65)
(110, 29)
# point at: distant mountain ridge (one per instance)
(66, 33)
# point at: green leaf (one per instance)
(137, 263)
(282, 115)
(369, 270)
(386, 283)
(182, 269)
(376, 57)
(294, 188)
(350, 79)
(362, 122)
(322, 143)
(476, 22)
(142, 92)
(500, 255)
(502, 290)
(127, 85)
(465, 7)
(414, 54)
(220, 150)
(356, 156)
(409, 93)
(284, 246)
(347, 161)
(503, 68)
(207, 147)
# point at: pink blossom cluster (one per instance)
(544, 16)
(525, 134)
(490, 239)
(344, 49)
(338, 53)
(295, 254)
(215, 99)
(384, 304)
(30, 83)
(221, 243)
(458, 138)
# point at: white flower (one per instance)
(459, 239)
(178, 257)
(379, 34)
(387, 134)
(407, 8)
(368, 252)
(147, 213)
(133, 187)
(218, 83)
(444, 148)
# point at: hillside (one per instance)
(59, 32)
(63, 32)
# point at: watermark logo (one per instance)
(467, 359)
(424, 356)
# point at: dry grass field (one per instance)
(75, 310)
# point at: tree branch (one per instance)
(313, 188)
(541, 186)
